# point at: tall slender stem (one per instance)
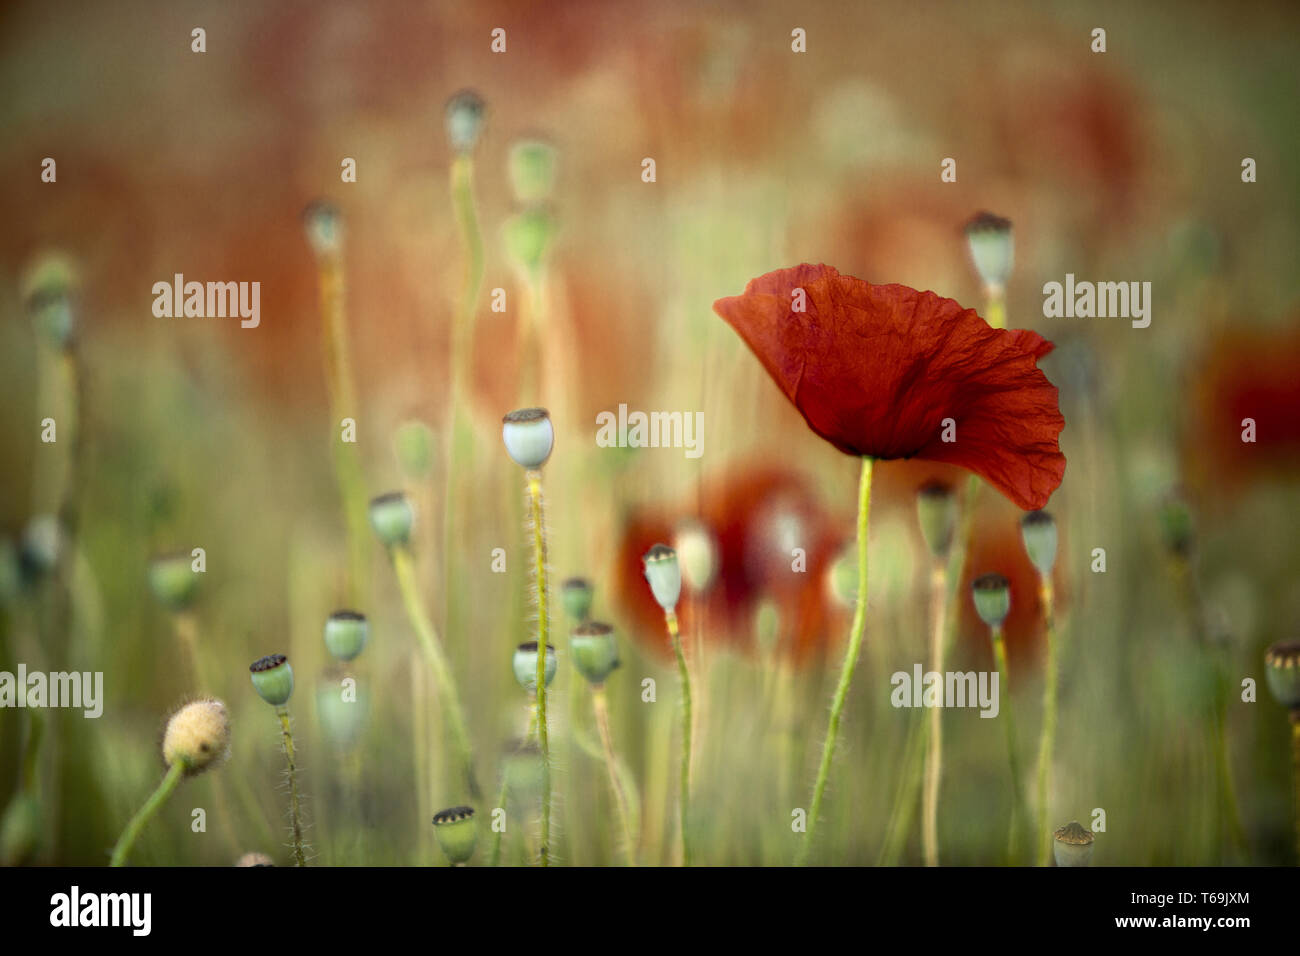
(1295, 770)
(543, 629)
(1017, 793)
(850, 660)
(295, 805)
(934, 754)
(1048, 738)
(156, 800)
(601, 708)
(404, 567)
(684, 794)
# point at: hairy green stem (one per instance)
(601, 708)
(850, 659)
(684, 794)
(169, 782)
(295, 805)
(404, 567)
(1048, 737)
(543, 628)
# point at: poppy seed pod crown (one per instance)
(272, 679)
(992, 596)
(664, 575)
(528, 436)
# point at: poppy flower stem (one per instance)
(295, 806)
(934, 759)
(601, 708)
(684, 675)
(404, 567)
(850, 660)
(539, 570)
(165, 789)
(1048, 737)
(1295, 770)
(996, 309)
(1017, 794)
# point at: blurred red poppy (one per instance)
(876, 370)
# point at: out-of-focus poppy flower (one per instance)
(756, 518)
(876, 369)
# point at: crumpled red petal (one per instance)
(876, 369)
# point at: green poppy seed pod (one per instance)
(527, 237)
(1282, 670)
(346, 633)
(992, 595)
(341, 714)
(992, 248)
(522, 769)
(576, 595)
(528, 436)
(532, 170)
(525, 665)
(323, 224)
(1038, 529)
(457, 833)
(594, 652)
(413, 443)
(272, 679)
(20, 829)
(197, 735)
(1176, 526)
(1072, 845)
(697, 549)
(254, 859)
(49, 291)
(664, 575)
(936, 512)
(392, 517)
(42, 544)
(464, 115)
(173, 581)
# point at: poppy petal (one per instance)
(876, 370)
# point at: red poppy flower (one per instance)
(875, 370)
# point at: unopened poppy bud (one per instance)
(525, 665)
(1176, 526)
(49, 290)
(992, 596)
(1282, 670)
(42, 544)
(576, 595)
(992, 248)
(254, 859)
(664, 575)
(392, 517)
(697, 549)
(413, 443)
(1038, 529)
(594, 652)
(464, 116)
(457, 833)
(173, 581)
(272, 679)
(528, 436)
(527, 237)
(532, 170)
(197, 735)
(346, 633)
(1072, 845)
(936, 512)
(323, 224)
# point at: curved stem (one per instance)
(934, 755)
(850, 660)
(1048, 737)
(295, 807)
(404, 567)
(1017, 794)
(601, 708)
(543, 629)
(156, 800)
